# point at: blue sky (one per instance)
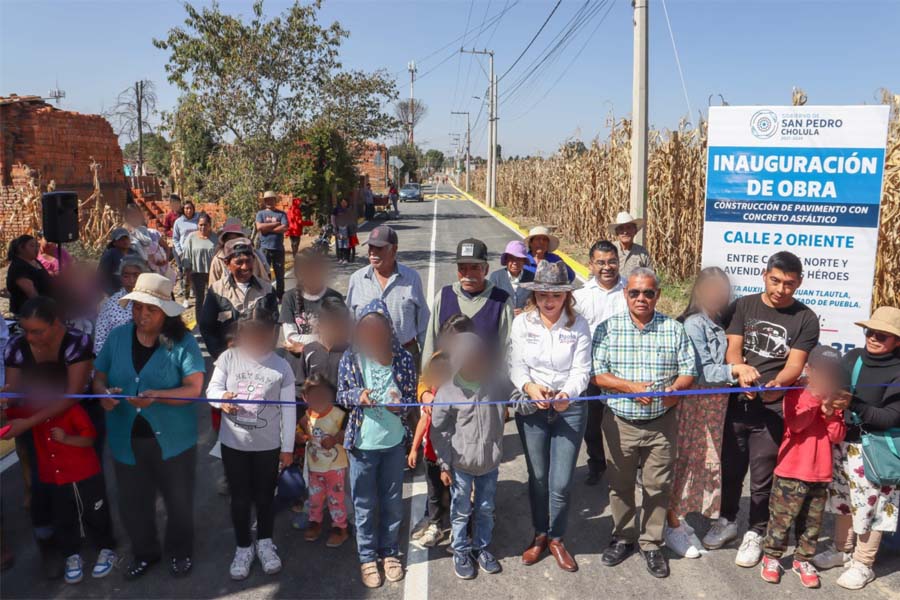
(751, 52)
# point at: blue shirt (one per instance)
(403, 295)
(271, 241)
(175, 426)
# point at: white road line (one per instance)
(415, 586)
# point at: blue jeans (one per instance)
(551, 441)
(461, 509)
(376, 485)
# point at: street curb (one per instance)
(576, 266)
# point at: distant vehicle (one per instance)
(410, 192)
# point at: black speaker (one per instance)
(60, 216)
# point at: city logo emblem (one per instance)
(764, 124)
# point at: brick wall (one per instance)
(55, 145)
(372, 166)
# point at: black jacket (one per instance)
(875, 400)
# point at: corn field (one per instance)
(579, 193)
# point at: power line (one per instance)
(459, 62)
(677, 61)
(533, 39)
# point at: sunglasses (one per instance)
(879, 336)
(648, 294)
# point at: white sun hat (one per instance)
(156, 290)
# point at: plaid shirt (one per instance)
(659, 353)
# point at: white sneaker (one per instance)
(431, 536)
(106, 560)
(721, 532)
(240, 566)
(750, 552)
(830, 559)
(268, 557)
(74, 571)
(856, 577)
(678, 541)
(419, 529)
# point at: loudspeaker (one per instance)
(60, 216)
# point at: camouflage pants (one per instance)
(797, 503)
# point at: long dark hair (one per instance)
(173, 330)
(16, 244)
(693, 306)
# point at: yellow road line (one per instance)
(576, 266)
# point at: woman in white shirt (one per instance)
(550, 362)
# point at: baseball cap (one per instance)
(239, 245)
(383, 235)
(471, 251)
(118, 233)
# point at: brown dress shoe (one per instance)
(534, 552)
(313, 531)
(562, 556)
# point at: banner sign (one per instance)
(806, 179)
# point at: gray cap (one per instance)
(118, 233)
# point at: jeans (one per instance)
(376, 484)
(752, 436)
(138, 485)
(551, 442)
(461, 509)
(275, 258)
(252, 477)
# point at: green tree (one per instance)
(409, 154)
(157, 153)
(261, 82)
(193, 146)
(434, 159)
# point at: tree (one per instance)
(132, 113)
(193, 146)
(409, 113)
(434, 159)
(409, 154)
(259, 83)
(157, 153)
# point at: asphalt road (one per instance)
(313, 571)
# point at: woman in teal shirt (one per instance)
(152, 435)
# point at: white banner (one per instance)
(806, 179)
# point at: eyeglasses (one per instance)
(879, 336)
(648, 294)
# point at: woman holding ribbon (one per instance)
(550, 362)
(153, 366)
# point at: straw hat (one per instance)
(156, 290)
(544, 231)
(270, 194)
(885, 318)
(549, 277)
(625, 218)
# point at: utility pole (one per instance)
(412, 108)
(139, 96)
(490, 196)
(638, 201)
(468, 142)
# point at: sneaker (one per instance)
(678, 541)
(74, 571)
(463, 565)
(809, 577)
(831, 558)
(771, 570)
(393, 568)
(371, 578)
(420, 528)
(432, 536)
(750, 551)
(487, 562)
(856, 576)
(106, 560)
(240, 566)
(268, 557)
(337, 537)
(313, 531)
(721, 532)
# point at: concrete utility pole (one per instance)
(139, 98)
(638, 203)
(490, 196)
(468, 143)
(412, 108)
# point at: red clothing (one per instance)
(296, 223)
(169, 222)
(61, 463)
(805, 451)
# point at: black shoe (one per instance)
(616, 552)
(179, 567)
(138, 568)
(657, 563)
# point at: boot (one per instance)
(51, 561)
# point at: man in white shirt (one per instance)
(601, 297)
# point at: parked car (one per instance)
(411, 192)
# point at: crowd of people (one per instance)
(312, 391)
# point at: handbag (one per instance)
(880, 449)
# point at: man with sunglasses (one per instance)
(635, 352)
(773, 333)
(600, 298)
